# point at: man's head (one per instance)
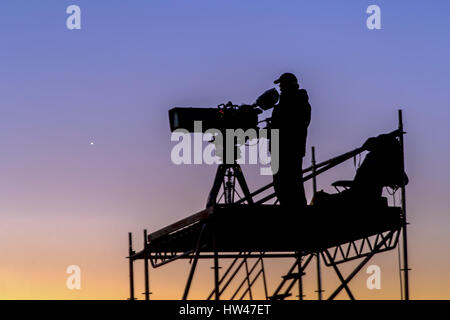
(287, 81)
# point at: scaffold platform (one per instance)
(270, 228)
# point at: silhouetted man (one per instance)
(291, 116)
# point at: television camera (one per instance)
(225, 116)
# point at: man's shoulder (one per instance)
(302, 93)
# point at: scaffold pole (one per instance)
(130, 253)
(314, 182)
(405, 222)
(146, 276)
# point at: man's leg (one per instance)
(292, 184)
(277, 185)
(288, 183)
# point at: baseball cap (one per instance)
(287, 77)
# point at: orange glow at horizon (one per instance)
(104, 273)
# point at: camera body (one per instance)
(225, 116)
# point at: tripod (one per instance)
(226, 176)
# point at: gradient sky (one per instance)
(64, 201)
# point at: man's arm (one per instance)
(305, 108)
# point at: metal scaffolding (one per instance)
(203, 236)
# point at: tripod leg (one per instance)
(240, 177)
(218, 180)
